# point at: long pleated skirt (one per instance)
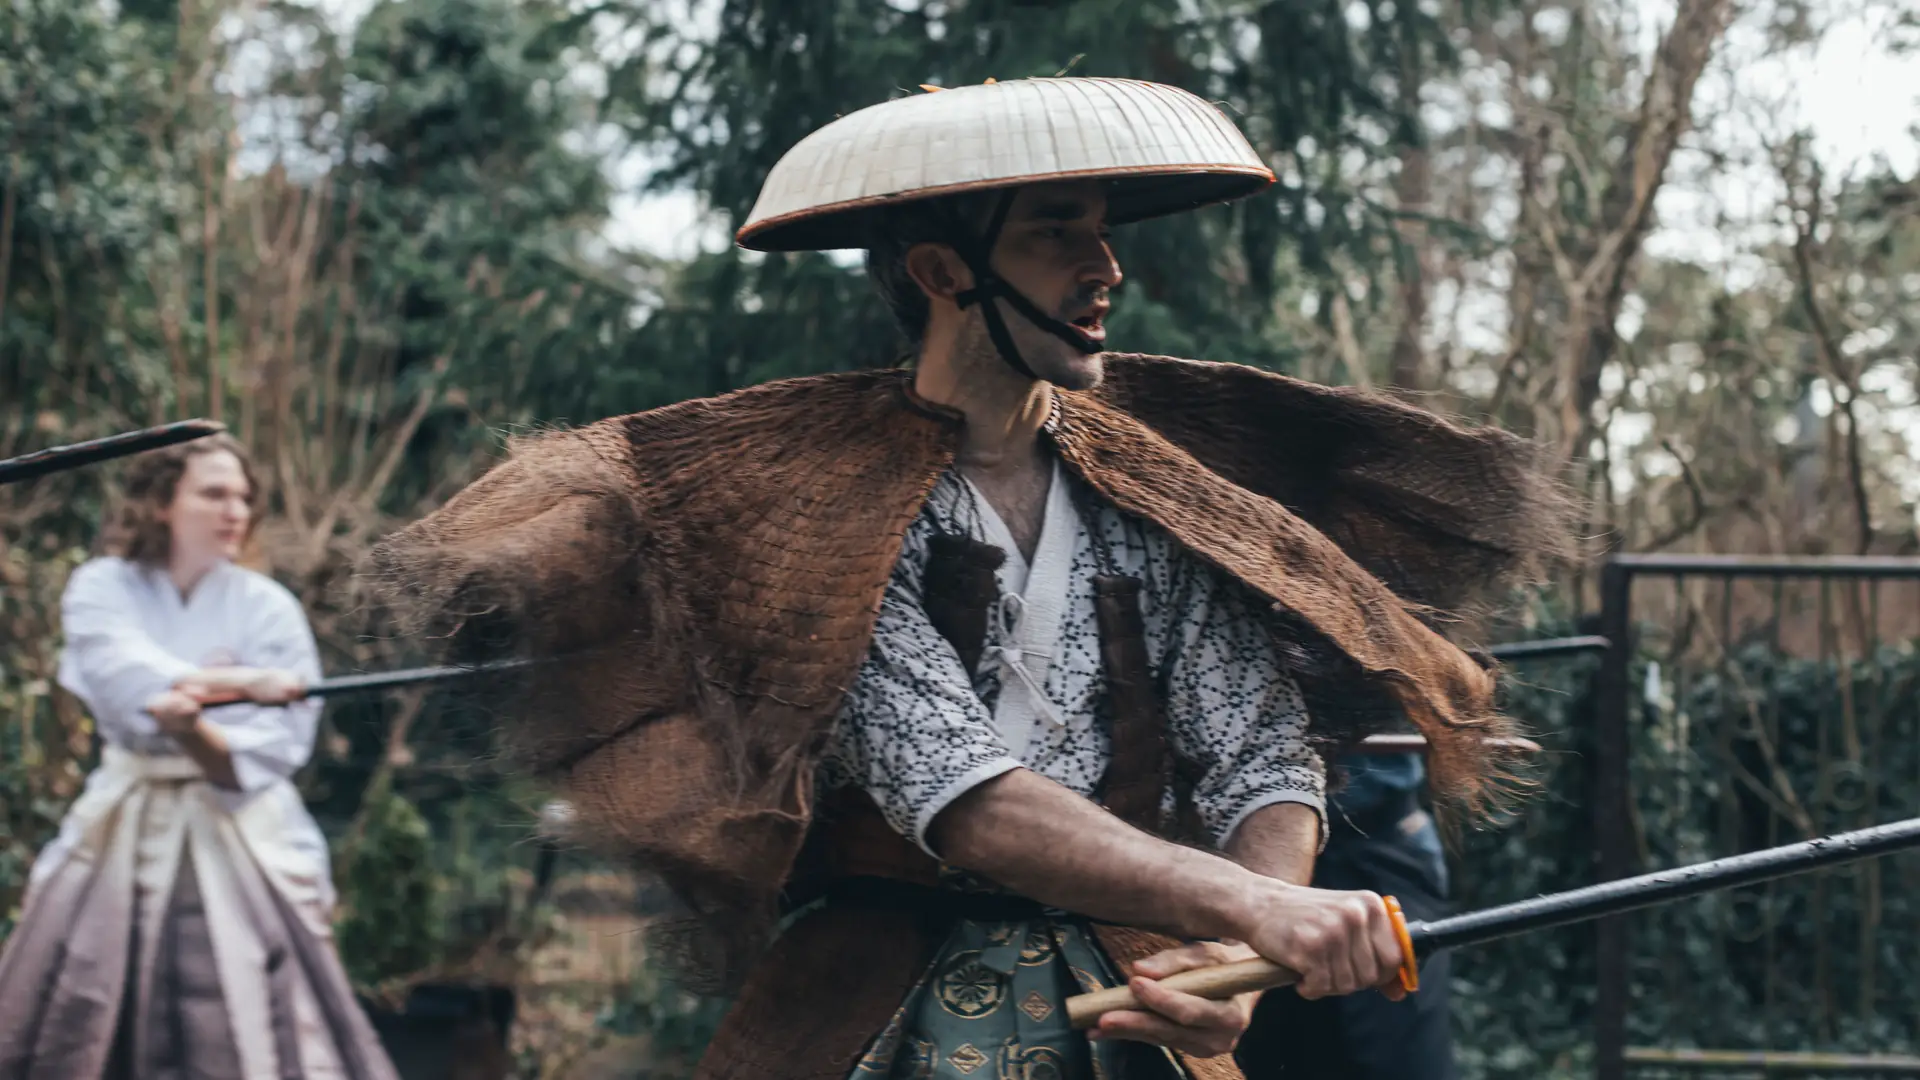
(178, 939)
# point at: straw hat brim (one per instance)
(1135, 194)
(1160, 149)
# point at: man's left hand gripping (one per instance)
(1177, 1021)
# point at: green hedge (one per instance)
(1707, 973)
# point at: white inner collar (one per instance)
(1033, 606)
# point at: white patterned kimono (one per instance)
(916, 733)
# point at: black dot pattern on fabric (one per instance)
(916, 732)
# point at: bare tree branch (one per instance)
(1844, 378)
(1666, 102)
(1697, 517)
(1348, 345)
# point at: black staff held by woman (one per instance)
(60, 458)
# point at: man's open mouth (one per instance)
(1091, 326)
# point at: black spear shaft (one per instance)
(348, 684)
(1558, 909)
(388, 680)
(1376, 744)
(57, 458)
(1544, 647)
(1415, 743)
(1662, 887)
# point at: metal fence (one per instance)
(1752, 702)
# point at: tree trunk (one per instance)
(1666, 104)
(1413, 189)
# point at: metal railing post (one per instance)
(1612, 822)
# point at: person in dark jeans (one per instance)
(1381, 839)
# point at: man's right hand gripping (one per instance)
(1339, 942)
(1040, 840)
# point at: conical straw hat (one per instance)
(1164, 149)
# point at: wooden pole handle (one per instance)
(1222, 981)
(1216, 983)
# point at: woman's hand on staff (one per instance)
(262, 686)
(1177, 1021)
(174, 710)
(177, 711)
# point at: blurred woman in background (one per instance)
(180, 923)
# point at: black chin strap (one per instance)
(977, 254)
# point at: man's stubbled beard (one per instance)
(974, 344)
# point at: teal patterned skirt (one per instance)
(992, 1006)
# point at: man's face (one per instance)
(1053, 250)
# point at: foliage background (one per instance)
(375, 238)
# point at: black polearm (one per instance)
(1548, 647)
(57, 458)
(1663, 886)
(1374, 744)
(1558, 909)
(388, 680)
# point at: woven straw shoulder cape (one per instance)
(704, 578)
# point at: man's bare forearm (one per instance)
(1045, 842)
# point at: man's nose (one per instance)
(1103, 269)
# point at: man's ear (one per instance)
(938, 270)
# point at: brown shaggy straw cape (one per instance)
(704, 578)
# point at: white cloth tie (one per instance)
(1013, 658)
